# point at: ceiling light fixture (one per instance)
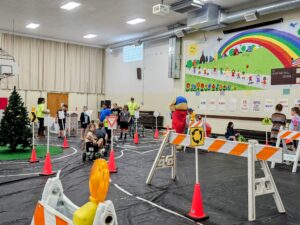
(70, 5)
(136, 21)
(32, 25)
(89, 36)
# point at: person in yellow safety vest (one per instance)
(132, 108)
(40, 114)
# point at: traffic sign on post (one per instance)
(197, 136)
(267, 121)
(156, 114)
(112, 122)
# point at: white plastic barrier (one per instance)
(252, 150)
(289, 156)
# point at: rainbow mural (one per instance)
(285, 46)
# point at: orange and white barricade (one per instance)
(56, 209)
(252, 150)
(289, 156)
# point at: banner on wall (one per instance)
(256, 105)
(269, 105)
(232, 105)
(285, 103)
(243, 61)
(222, 105)
(212, 104)
(245, 105)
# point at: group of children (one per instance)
(278, 120)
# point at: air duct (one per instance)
(279, 6)
(224, 19)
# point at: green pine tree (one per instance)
(15, 124)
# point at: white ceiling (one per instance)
(106, 18)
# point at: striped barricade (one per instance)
(44, 215)
(252, 151)
(289, 156)
(263, 152)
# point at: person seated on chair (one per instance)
(231, 134)
(91, 136)
(101, 135)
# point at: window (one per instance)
(132, 53)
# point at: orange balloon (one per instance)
(99, 181)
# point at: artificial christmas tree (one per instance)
(15, 124)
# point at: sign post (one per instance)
(112, 125)
(265, 122)
(136, 134)
(33, 158)
(156, 133)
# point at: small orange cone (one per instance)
(33, 158)
(65, 144)
(197, 211)
(47, 170)
(112, 164)
(136, 138)
(156, 134)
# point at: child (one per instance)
(116, 111)
(101, 135)
(295, 122)
(61, 119)
(90, 136)
(278, 120)
(85, 121)
(231, 134)
(124, 122)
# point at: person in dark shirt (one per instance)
(231, 134)
(116, 111)
(278, 120)
(101, 135)
(84, 121)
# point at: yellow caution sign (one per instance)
(197, 136)
(266, 121)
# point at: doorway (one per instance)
(54, 101)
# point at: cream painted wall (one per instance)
(75, 100)
(159, 90)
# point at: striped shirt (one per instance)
(278, 120)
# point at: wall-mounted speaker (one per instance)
(139, 73)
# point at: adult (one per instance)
(278, 120)
(104, 112)
(40, 114)
(84, 121)
(133, 107)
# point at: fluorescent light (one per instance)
(136, 21)
(89, 36)
(32, 25)
(70, 5)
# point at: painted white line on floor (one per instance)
(155, 205)
(54, 159)
(123, 190)
(19, 175)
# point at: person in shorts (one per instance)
(61, 119)
(124, 122)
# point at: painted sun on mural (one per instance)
(242, 61)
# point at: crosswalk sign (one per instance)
(266, 121)
(196, 136)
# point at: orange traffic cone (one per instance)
(112, 164)
(47, 170)
(156, 134)
(65, 144)
(136, 138)
(197, 211)
(33, 158)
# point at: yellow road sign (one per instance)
(266, 121)
(197, 136)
